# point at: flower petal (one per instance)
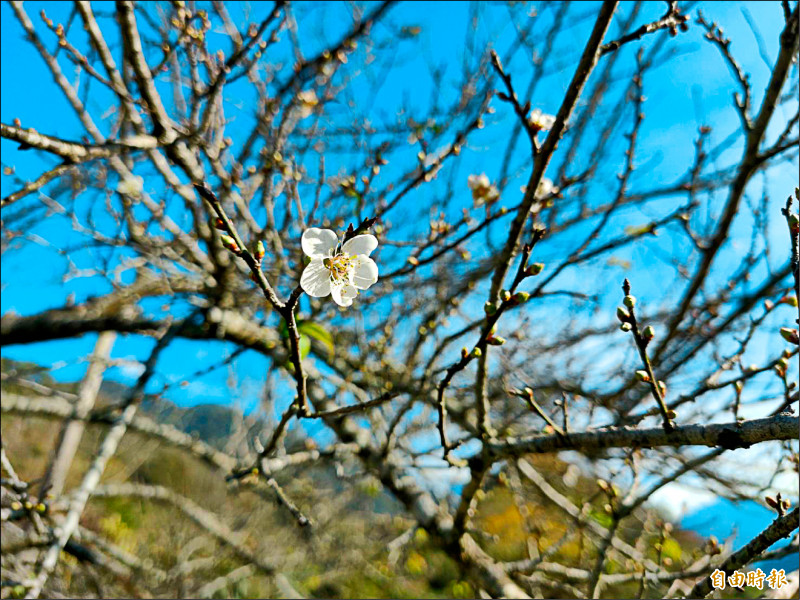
(343, 294)
(361, 244)
(316, 279)
(318, 242)
(365, 272)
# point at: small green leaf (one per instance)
(305, 346)
(601, 517)
(318, 332)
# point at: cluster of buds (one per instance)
(644, 377)
(778, 504)
(607, 488)
(227, 241)
(781, 366)
(307, 101)
(483, 192)
(29, 506)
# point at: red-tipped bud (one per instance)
(219, 224)
(464, 352)
(623, 315)
(642, 376)
(229, 243)
(649, 333)
(790, 335)
(790, 300)
(505, 295)
(260, 251)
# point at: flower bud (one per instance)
(790, 335)
(662, 388)
(643, 376)
(490, 308)
(790, 300)
(219, 224)
(649, 333)
(629, 301)
(623, 315)
(476, 352)
(505, 295)
(464, 352)
(521, 297)
(534, 269)
(738, 385)
(794, 221)
(496, 340)
(41, 508)
(260, 250)
(229, 243)
(626, 327)
(671, 414)
(16, 505)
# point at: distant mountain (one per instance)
(743, 520)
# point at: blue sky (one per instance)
(676, 105)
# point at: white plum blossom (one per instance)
(340, 272)
(483, 192)
(131, 186)
(545, 189)
(540, 120)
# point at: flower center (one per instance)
(338, 266)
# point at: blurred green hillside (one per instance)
(360, 543)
